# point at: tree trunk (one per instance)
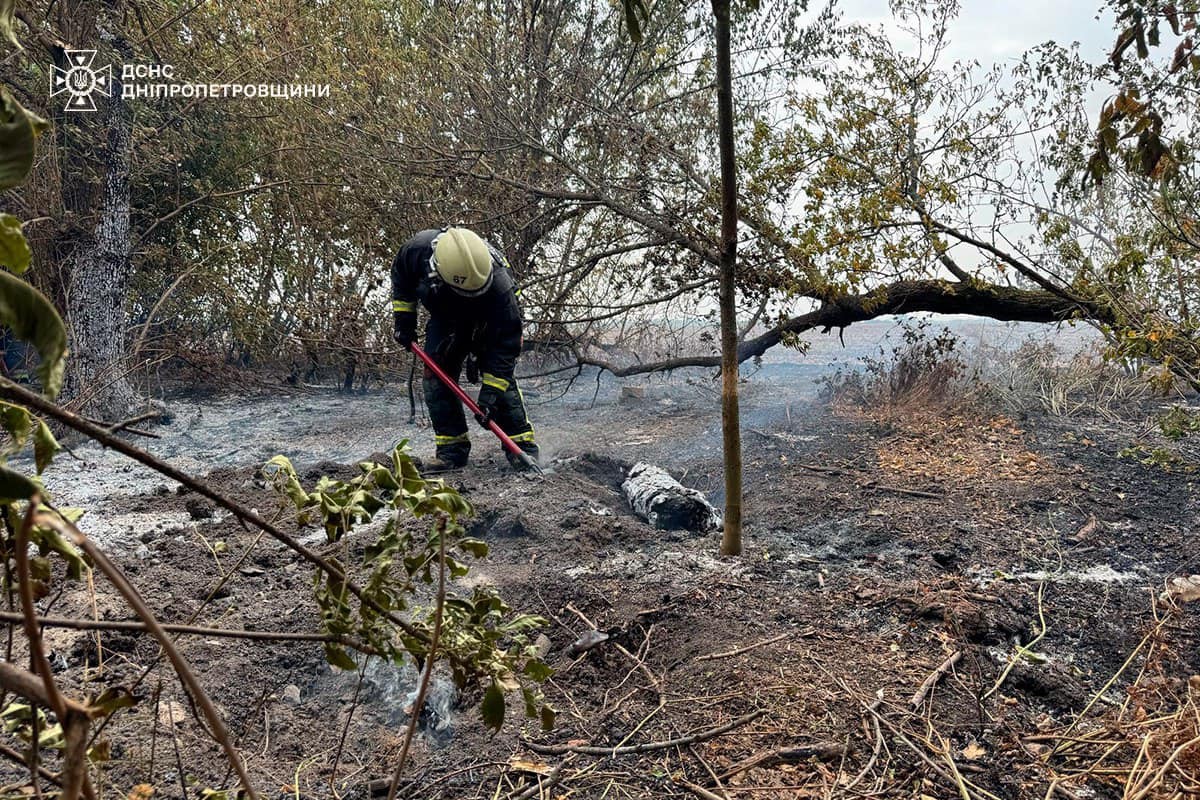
(731, 539)
(97, 379)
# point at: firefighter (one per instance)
(468, 289)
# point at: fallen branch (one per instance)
(649, 747)
(927, 685)
(192, 630)
(822, 751)
(697, 790)
(749, 647)
(881, 487)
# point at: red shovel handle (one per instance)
(473, 407)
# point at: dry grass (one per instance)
(1037, 376)
(1148, 746)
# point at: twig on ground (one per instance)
(875, 750)
(883, 487)
(591, 750)
(927, 685)
(822, 751)
(697, 790)
(540, 786)
(1025, 649)
(18, 758)
(639, 663)
(749, 647)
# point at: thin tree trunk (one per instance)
(731, 539)
(97, 373)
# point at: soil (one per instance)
(878, 545)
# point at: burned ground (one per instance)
(884, 553)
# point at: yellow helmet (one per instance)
(463, 260)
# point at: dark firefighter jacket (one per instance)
(492, 321)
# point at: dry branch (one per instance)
(191, 630)
(823, 751)
(749, 647)
(648, 747)
(927, 685)
(901, 297)
(19, 394)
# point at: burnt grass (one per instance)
(878, 545)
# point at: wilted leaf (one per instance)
(18, 132)
(45, 446)
(14, 250)
(7, 9)
(32, 318)
(548, 715)
(17, 422)
(111, 699)
(492, 708)
(1184, 589)
(974, 751)
(476, 547)
(100, 752)
(143, 791)
(15, 486)
(49, 540)
(537, 670)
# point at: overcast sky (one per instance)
(998, 31)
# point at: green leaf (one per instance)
(476, 547)
(45, 446)
(33, 319)
(49, 540)
(338, 657)
(7, 10)
(492, 708)
(282, 475)
(18, 132)
(548, 715)
(15, 486)
(17, 422)
(14, 250)
(538, 670)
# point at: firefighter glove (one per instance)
(405, 328)
(489, 399)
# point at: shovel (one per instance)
(473, 407)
